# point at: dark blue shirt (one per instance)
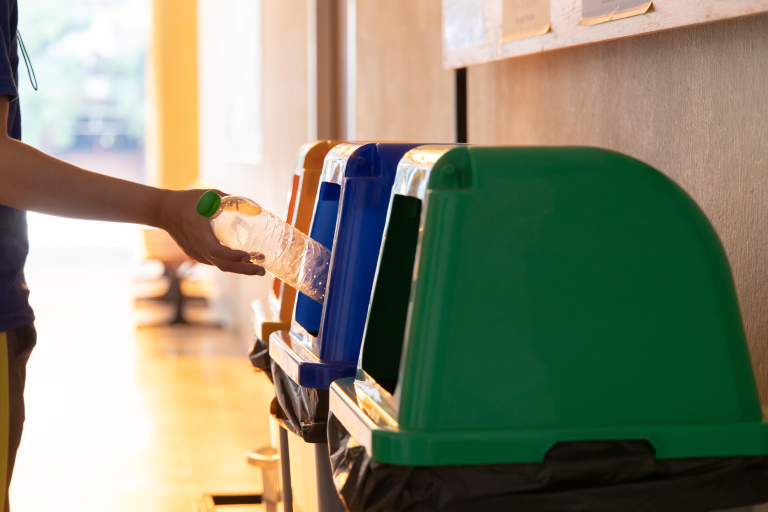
(14, 245)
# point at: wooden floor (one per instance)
(120, 419)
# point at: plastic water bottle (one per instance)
(281, 249)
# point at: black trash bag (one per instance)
(590, 476)
(303, 411)
(260, 358)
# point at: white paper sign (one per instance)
(463, 23)
(600, 11)
(524, 18)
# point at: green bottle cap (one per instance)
(208, 204)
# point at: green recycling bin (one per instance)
(528, 299)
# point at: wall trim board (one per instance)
(565, 30)
(312, 65)
(350, 67)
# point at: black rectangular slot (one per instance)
(385, 330)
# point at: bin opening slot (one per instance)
(385, 330)
(309, 312)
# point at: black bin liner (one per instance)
(303, 411)
(589, 476)
(260, 358)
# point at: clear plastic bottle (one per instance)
(281, 249)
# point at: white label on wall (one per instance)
(524, 18)
(463, 23)
(600, 11)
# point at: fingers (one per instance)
(195, 256)
(250, 269)
(217, 250)
(200, 259)
(237, 267)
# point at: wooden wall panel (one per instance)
(403, 92)
(690, 102)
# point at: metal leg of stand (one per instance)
(285, 472)
(327, 498)
(312, 477)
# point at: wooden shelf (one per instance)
(565, 30)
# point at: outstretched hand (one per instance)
(177, 214)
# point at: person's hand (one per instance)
(177, 214)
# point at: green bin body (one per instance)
(526, 297)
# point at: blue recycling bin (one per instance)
(324, 341)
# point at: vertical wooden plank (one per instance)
(174, 92)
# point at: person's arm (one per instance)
(33, 181)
